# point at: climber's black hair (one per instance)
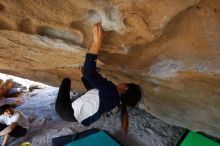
(130, 98)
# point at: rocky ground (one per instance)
(44, 124)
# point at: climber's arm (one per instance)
(98, 36)
(91, 75)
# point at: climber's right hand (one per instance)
(98, 36)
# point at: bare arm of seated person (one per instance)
(8, 129)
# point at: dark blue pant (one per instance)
(63, 105)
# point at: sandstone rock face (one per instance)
(170, 47)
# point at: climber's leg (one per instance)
(63, 105)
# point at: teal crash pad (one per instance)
(98, 139)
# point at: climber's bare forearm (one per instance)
(98, 36)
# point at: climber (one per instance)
(101, 96)
(12, 123)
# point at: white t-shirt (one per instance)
(17, 117)
(87, 105)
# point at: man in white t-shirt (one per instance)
(12, 123)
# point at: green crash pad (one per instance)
(190, 138)
(98, 139)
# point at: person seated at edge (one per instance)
(10, 90)
(101, 96)
(12, 123)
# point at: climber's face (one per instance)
(122, 87)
